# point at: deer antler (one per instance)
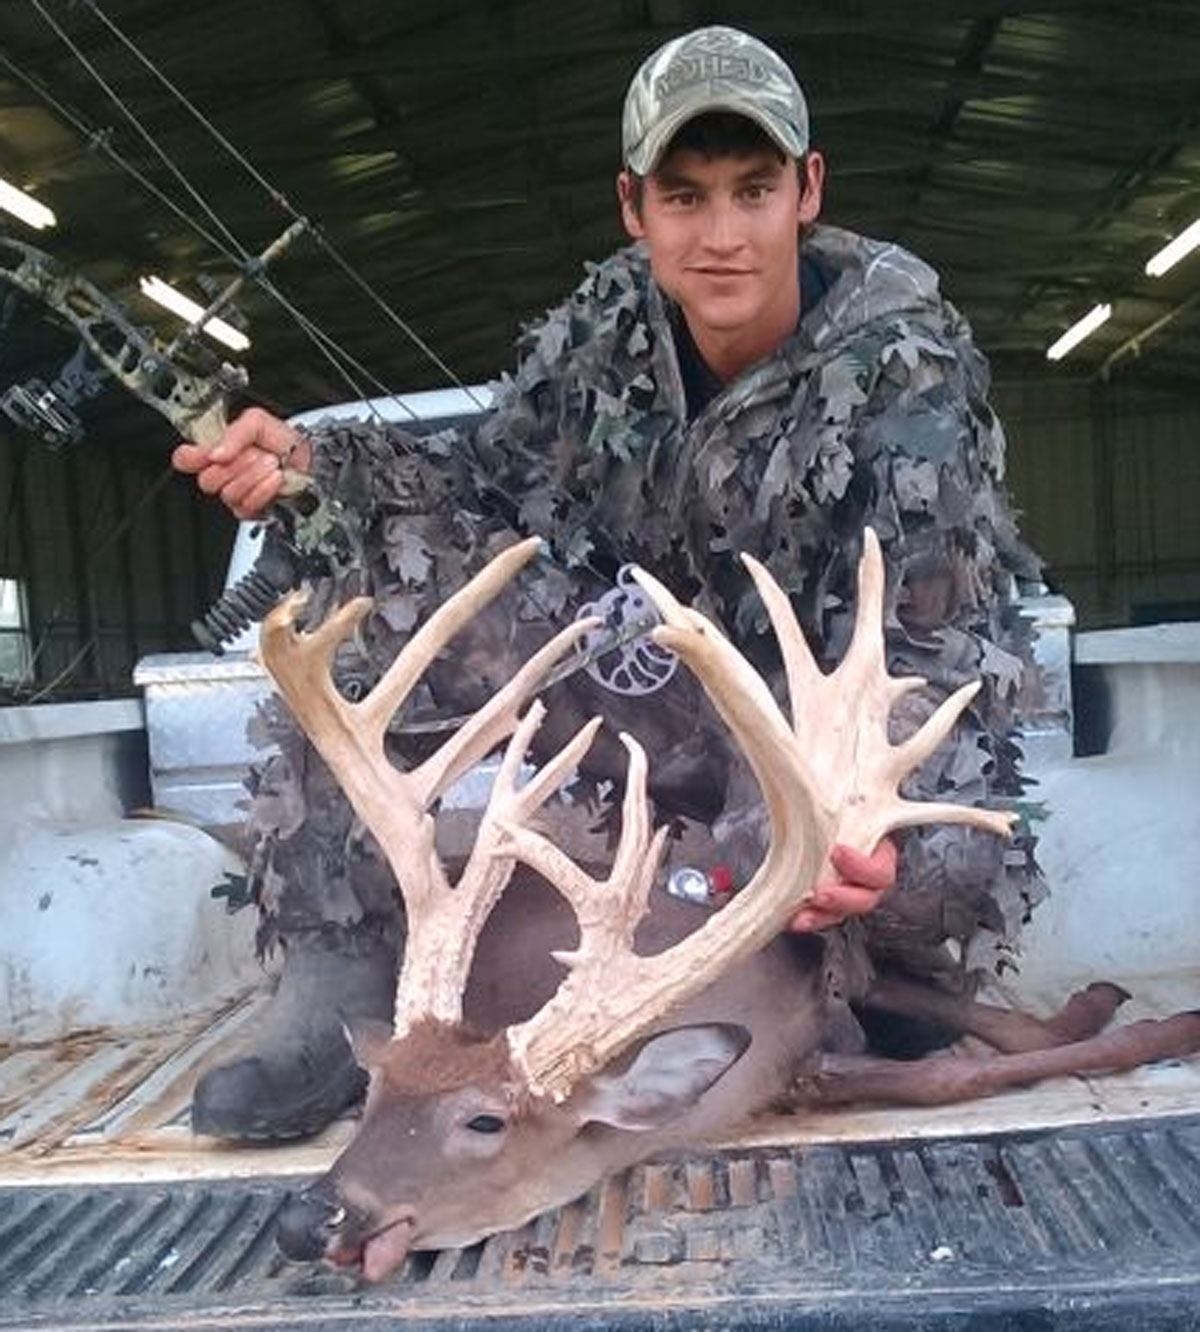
(830, 776)
(444, 921)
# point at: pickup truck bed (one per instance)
(1072, 1205)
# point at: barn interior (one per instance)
(454, 163)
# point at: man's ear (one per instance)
(630, 216)
(812, 187)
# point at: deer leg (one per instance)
(1010, 1031)
(940, 1079)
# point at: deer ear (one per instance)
(668, 1075)
(368, 1038)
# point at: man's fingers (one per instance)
(189, 458)
(861, 881)
(247, 485)
(233, 480)
(831, 904)
(242, 433)
(212, 480)
(878, 870)
(810, 920)
(844, 899)
(246, 467)
(258, 431)
(259, 497)
(251, 482)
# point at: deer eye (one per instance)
(486, 1124)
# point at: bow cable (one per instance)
(281, 200)
(225, 244)
(115, 98)
(341, 360)
(231, 248)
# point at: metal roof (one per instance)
(458, 157)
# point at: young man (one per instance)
(740, 378)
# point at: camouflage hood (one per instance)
(874, 410)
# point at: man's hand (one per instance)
(861, 883)
(246, 467)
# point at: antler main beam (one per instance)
(832, 775)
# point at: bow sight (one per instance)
(47, 410)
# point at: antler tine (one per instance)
(494, 720)
(804, 677)
(607, 910)
(863, 825)
(441, 940)
(300, 664)
(445, 622)
(740, 695)
(866, 651)
(833, 775)
(350, 736)
(849, 709)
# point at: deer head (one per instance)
(463, 1136)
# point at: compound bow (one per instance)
(191, 397)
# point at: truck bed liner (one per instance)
(1083, 1228)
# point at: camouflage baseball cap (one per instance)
(710, 69)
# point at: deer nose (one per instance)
(306, 1223)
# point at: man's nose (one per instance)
(723, 230)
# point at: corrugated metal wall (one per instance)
(1108, 479)
(117, 556)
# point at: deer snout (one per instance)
(308, 1222)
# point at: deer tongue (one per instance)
(385, 1251)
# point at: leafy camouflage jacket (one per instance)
(874, 411)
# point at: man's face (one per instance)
(723, 238)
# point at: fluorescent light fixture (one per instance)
(1078, 331)
(1173, 251)
(25, 206)
(186, 308)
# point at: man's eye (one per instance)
(486, 1124)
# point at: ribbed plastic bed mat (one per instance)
(1090, 1228)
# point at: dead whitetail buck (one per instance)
(508, 1087)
